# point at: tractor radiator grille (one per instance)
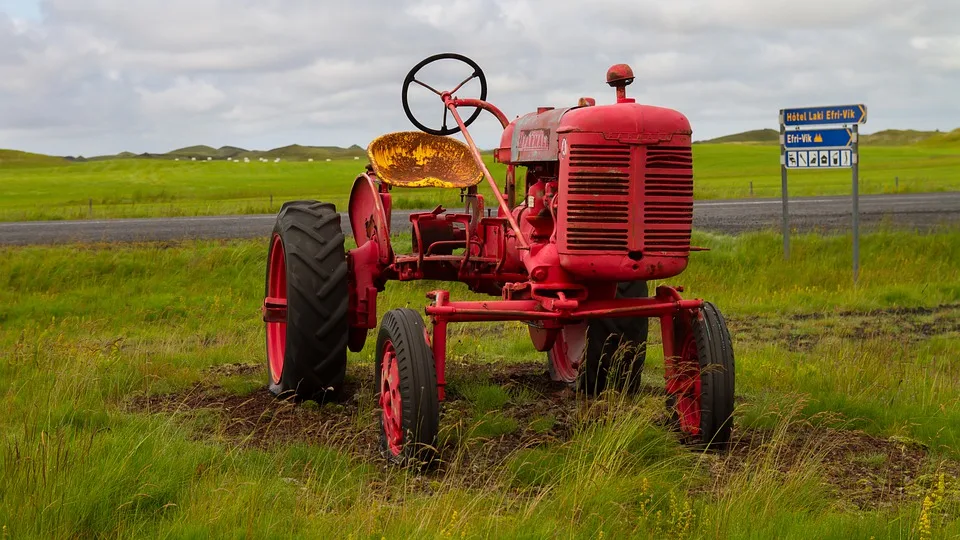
(668, 199)
(598, 195)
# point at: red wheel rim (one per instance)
(276, 288)
(568, 351)
(683, 383)
(390, 401)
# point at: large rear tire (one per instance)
(406, 380)
(700, 378)
(603, 353)
(307, 268)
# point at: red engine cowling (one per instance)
(626, 192)
(625, 205)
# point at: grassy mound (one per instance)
(760, 136)
(16, 158)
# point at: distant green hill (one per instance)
(229, 151)
(16, 158)
(121, 155)
(756, 136)
(296, 152)
(896, 137)
(950, 139)
(887, 137)
(200, 152)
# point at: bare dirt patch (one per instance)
(259, 419)
(235, 369)
(478, 458)
(865, 471)
(803, 331)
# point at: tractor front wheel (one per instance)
(406, 381)
(603, 353)
(700, 378)
(305, 309)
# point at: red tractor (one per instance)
(607, 206)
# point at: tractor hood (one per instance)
(534, 137)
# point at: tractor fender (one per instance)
(368, 218)
(373, 254)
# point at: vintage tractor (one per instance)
(607, 206)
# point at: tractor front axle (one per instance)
(664, 305)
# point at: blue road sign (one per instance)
(834, 114)
(836, 158)
(816, 138)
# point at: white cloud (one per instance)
(102, 76)
(941, 53)
(186, 95)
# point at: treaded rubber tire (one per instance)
(717, 379)
(420, 408)
(604, 364)
(315, 359)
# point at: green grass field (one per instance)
(132, 385)
(32, 188)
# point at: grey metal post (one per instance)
(783, 189)
(855, 163)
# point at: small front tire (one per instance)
(700, 378)
(603, 353)
(406, 382)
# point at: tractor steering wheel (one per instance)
(412, 78)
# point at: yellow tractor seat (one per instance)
(418, 159)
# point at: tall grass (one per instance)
(84, 330)
(897, 268)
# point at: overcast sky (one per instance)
(101, 76)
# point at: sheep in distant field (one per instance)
(176, 159)
(246, 160)
(276, 160)
(355, 157)
(193, 159)
(310, 160)
(328, 159)
(209, 159)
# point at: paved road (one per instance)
(922, 210)
(914, 211)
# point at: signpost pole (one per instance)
(855, 165)
(783, 189)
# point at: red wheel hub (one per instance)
(683, 383)
(275, 308)
(568, 351)
(390, 401)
